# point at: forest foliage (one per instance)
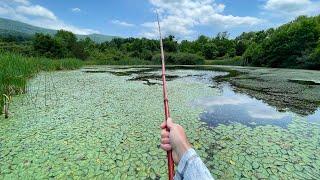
(292, 45)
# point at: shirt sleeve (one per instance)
(191, 167)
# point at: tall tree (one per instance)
(45, 45)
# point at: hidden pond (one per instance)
(103, 122)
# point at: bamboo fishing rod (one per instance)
(166, 102)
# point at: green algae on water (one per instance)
(103, 126)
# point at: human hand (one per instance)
(175, 139)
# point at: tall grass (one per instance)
(15, 70)
(235, 61)
(56, 65)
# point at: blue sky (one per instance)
(186, 19)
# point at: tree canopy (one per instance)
(292, 45)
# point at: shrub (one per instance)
(235, 61)
(313, 61)
(179, 59)
(123, 61)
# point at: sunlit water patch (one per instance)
(187, 76)
(314, 117)
(231, 107)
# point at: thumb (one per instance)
(170, 123)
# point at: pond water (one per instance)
(103, 123)
(231, 107)
(227, 107)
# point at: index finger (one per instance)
(163, 125)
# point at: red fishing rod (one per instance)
(165, 101)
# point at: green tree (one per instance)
(66, 37)
(170, 44)
(289, 42)
(68, 42)
(45, 45)
(314, 59)
(289, 45)
(186, 46)
(210, 50)
(225, 46)
(240, 47)
(252, 55)
(79, 51)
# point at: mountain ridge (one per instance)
(10, 27)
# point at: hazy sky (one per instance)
(186, 19)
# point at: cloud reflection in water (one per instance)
(232, 107)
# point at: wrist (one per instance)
(183, 148)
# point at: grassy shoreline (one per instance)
(16, 70)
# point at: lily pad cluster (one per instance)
(265, 152)
(104, 126)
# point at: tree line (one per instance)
(292, 45)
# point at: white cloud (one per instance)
(179, 17)
(122, 23)
(36, 10)
(25, 2)
(24, 11)
(4, 10)
(292, 8)
(223, 100)
(76, 10)
(58, 24)
(9, 12)
(266, 113)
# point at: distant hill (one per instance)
(15, 28)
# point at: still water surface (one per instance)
(231, 107)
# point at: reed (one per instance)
(15, 70)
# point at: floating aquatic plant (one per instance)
(104, 126)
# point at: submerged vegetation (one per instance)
(15, 70)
